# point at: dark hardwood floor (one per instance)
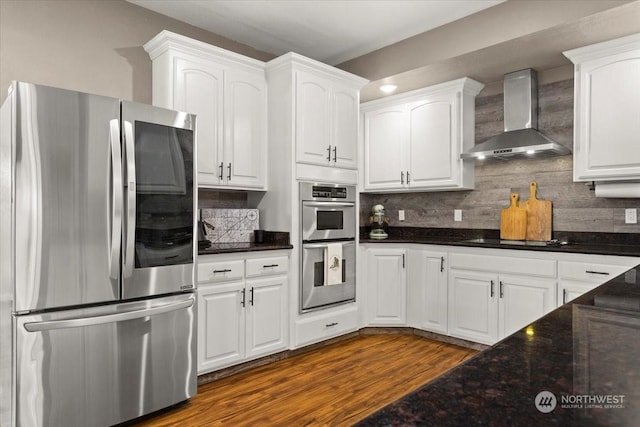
(335, 385)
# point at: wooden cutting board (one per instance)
(513, 221)
(539, 216)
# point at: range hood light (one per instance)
(388, 88)
(481, 157)
(531, 151)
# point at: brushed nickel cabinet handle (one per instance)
(408, 180)
(243, 297)
(335, 154)
(328, 325)
(501, 289)
(401, 177)
(564, 296)
(492, 289)
(229, 173)
(221, 168)
(329, 153)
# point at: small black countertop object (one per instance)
(273, 241)
(576, 366)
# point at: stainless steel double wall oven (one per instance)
(328, 217)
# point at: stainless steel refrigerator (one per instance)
(97, 221)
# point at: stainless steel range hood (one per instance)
(520, 137)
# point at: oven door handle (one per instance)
(328, 204)
(324, 245)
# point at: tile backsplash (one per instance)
(230, 225)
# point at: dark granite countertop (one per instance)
(586, 354)
(273, 241)
(621, 244)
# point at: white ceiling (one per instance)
(330, 31)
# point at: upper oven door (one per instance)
(328, 220)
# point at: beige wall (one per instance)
(92, 46)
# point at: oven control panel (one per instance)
(329, 192)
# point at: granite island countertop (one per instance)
(585, 355)
(620, 244)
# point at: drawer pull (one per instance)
(604, 273)
(328, 325)
(226, 270)
(270, 266)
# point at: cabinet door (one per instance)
(432, 278)
(607, 111)
(199, 90)
(386, 291)
(570, 289)
(385, 140)
(432, 136)
(522, 301)
(344, 118)
(245, 129)
(267, 319)
(221, 324)
(473, 306)
(313, 126)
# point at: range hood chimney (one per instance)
(521, 137)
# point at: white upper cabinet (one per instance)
(414, 140)
(313, 117)
(228, 93)
(326, 121)
(607, 110)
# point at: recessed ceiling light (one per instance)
(388, 88)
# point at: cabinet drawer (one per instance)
(588, 271)
(267, 266)
(499, 264)
(326, 326)
(222, 271)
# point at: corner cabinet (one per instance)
(322, 104)
(427, 290)
(228, 93)
(607, 109)
(414, 140)
(386, 292)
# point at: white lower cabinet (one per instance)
(427, 290)
(486, 307)
(487, 302)
(523, 300)
(579, 274)
(473, 311)
(386, 287)
(244, 316)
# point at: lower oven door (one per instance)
(314, 293)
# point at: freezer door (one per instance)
(107, 365)
(160, 218)
(66, 206)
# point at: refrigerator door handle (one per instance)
(116, 199)
(131, 199)
(107, 318)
